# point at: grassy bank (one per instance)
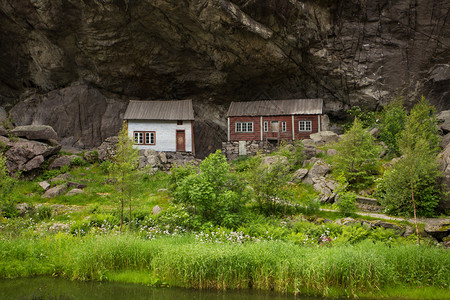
(351, 270)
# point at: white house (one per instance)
(161, 125)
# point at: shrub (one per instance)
(7, 183)
(346, 200)
(216, 195)
(106, 166)
(413, 181)
(392, 123)
(269, 187)
(357, 157)
(78, 161)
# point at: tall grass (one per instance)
(182, 261)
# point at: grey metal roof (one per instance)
(159, 110)
(276, 107)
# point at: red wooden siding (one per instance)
(245, 136)
(257, 126)
(314, 126)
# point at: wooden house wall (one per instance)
(257, 126)
(165, 133)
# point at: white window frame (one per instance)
(266, 126)
(283, 126)
(244, 127)
(305, 126)
(144, 137)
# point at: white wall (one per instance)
(165, 133)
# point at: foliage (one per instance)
(421, 124)
(272, 265)
(178, 174)
(7, 184)
(269, 187)
(357, 157)
(106, 166)
(78, 161)
(44, 212)
(413, 181)
(217, 195)
(392, 123)
(124, 170)
(367, 117)
(347, 199)
(293, 153)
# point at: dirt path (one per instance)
(426, 221)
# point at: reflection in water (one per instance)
(58, 288)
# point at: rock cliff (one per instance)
(73, 64)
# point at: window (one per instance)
(180, 122)
(266, 126)
(304, 125)
(144, 137)
(244, 126)
(283, 126)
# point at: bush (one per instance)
(78, 161)
(106, 166)
(269, 187)
(216, 195)
(392, 123)
(414, 180)
(357, 157)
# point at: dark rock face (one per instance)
(81, 116)
(58, 55)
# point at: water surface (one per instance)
(59, 288)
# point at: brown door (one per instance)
(181, 141)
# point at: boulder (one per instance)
(269, 161)
(3, 114)
(34, 163)
(91, 156)
(444, 119)
(445, 141)
(74, 192)
(346, 221)
(444, 161)
(309, 151)
(326, 124)
(438, 229)
(44, 185)
(76, 185)
(55, 191)
(319, 169)
(107, 149)
(59, 162)
(61, 177)
(375, 132)
(325, 187)
(24, 208)
(324, 137)
(3, 131)
(332, 152)
(299, 175)
(156, 210)
(21, 154)
(387, 225)
(35, 132)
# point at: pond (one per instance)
(59, 288)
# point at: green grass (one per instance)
(365, 268)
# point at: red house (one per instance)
(274, 120)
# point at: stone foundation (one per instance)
(233, 150)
